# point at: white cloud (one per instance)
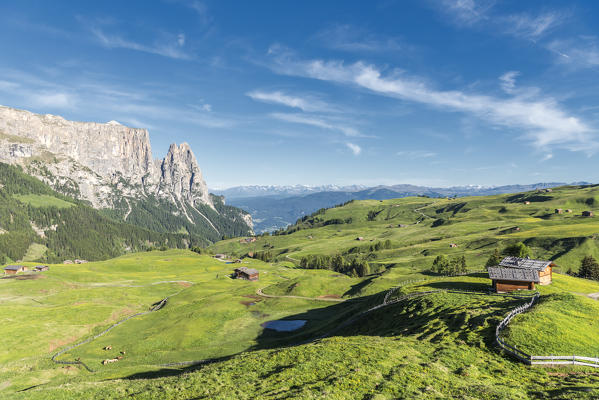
(414, 154)
(466, 11)
(307, 104)
(354, 148)
(55, 100)
(353, 39)
(543, 120)
(547, 156)
(170, 48)
(479, 14)
(317, 122)
(531, 27)
(181, 40)
(580, 53)
(508, 81)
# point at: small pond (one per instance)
(284, 325)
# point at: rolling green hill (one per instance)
(400, 331)
(418, 229)
(439, 345)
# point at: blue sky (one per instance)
(426, 92)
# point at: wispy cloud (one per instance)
(531, 27)
(317, 122)
(170, 47)
(481, 14)
(508, 81)
(353, 39)
(414, 154)
(354, 148)
(543, 120)
(582, 52)
(308, 104)
(466, 11)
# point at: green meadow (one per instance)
(208, 342)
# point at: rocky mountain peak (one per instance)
(182, 177)
(99, 162)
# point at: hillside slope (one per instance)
(401, 237)
(39, 224)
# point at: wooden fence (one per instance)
(537, 360)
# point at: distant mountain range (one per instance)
(282, 191)
(275, 207)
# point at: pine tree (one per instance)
(494, 260)
(589, 268)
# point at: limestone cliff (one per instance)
(103, 163)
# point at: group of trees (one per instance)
(444, 266)
(352, 266)
(589, 268)
(515, 250)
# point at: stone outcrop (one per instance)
(99, 162)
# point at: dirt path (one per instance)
(417, 210)
(271, 296)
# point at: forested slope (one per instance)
(39, 224)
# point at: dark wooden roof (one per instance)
(14, 267)
(524, 263)
(514, 274)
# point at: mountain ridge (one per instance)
(112, 167)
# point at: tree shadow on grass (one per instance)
(453, 285)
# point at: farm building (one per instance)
(40, 268)
(67, 262)
(246, 273)
(527, 202)
(568, 210)
(559, 211)
(588, 214)
(515, 273)
(13, 269)
(359, 238)
(220, 256)
(453, 245)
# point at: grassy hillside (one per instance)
(419, 229)
(37, 223)
(209, 341)
(435, 346)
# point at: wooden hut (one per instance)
(249, 274)
(588, 214)
(514, 273)
(559, 211)
(40, 268)
(13, 269)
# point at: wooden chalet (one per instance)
(514, 273)
(249, 274)
(13, 269)
(40, 268)
(588, 214)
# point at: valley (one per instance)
(362, 334)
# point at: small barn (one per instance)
(453, 245)
(40, 268)
(13, 269)
(588, 214)
(514, 273)
(220, 256)
(559, 211)
(249, 274)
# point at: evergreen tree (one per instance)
(517, 250)
(589, 268)
(494, 260)
(440, 264)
